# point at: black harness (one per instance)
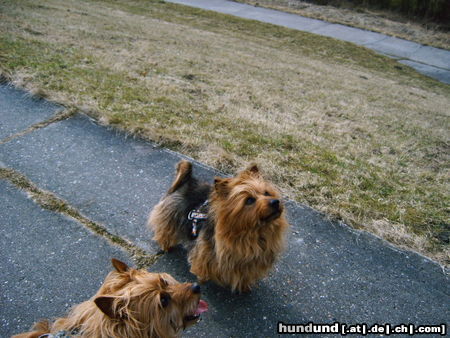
(62, 334)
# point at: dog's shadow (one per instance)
(231, 314)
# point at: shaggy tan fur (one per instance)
(131, 303)
(244, 233)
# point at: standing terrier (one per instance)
(234, 230)
(130, 303)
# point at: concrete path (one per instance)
(433, 62)
(328, 274)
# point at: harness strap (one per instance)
(61, 334)
(195, 216)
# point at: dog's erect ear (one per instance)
(221, 186)
(163, 282)
(105, 304)
(119, 266)
(252, 169)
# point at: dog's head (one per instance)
(246, 202)
(149, 302)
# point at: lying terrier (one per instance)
(130, 303)
(234, 230)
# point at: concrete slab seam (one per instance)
(49, 201)
(378, 41)
(60, 115)
(406, 56)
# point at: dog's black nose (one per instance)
(275, 204)
(195, 288)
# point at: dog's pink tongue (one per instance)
(202, 307)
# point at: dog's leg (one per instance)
(39, 329)
(201, 260)
(166, 236)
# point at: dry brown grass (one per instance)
(374, 20)
(338, 127)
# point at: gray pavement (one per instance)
(30, 114)
(329, 273)
(433, 62)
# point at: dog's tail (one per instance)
(184, 173)
(39, 329)
(43, 325)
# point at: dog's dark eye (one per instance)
(266, 193)
(164, 299)
(250, 200)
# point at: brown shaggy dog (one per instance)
(130, 303)
(240, 227)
